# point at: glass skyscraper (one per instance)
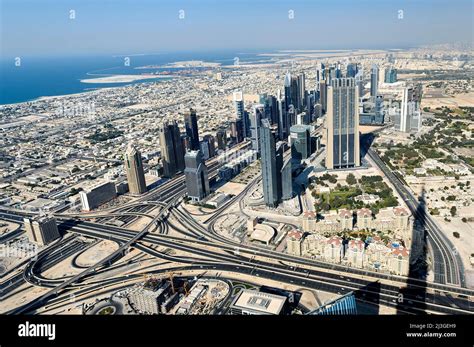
(343, 147)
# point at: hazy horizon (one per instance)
(123, 27)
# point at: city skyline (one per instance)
(284, 181)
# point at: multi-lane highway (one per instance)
(205, 249)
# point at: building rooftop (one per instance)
(264, 303)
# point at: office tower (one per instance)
(271, 107)
(268, 160)
(301, 83)
(410, 115)
(310, 101)
(241, 114)
(255, 123)
(267, 107)
(204, 148)
(374, 80)
(286, 180)
(318, 111)
(300, 142)
(379, 111)
(359, 80)
(338, 70)
(172, 151)
(211, 144)
(291, 92)
(191, 125)
(351, 70)
(323, 95)
(134, 168)
(197, 181)
(391, 75)
(237, 130)
(342, 149)
(186, 141)
(41, 229)
(282, 117)
(97, 195)
(221, 139)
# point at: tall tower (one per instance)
(241, 114)
(172, 151)
(374, 80)
(191, 125)
(255, 123)
(134, 169)
(343, 147)
(270, 171)
(197, 181)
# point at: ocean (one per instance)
(41, 76)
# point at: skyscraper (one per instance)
(191, 125)
(282, 117)
(323, 95)
(197, 181)
(172, 151)
(351, 70)
(291, 92)
(301, 92)
(300, 142)
(286, 180)
(134, 169)
(221, 139)
(391, 75)
(255, 123)
(240, 112)
(410, 115)
(374, 80)
(270, 170)
(359, 80)
(343, 147)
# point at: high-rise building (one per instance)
(343, 147)
(300, 139)
(410, 115)
(286, 180)
(359, 80)
(301, 91)
(351, 70)
(97, 195)
(282, 117)
(240, 113)
(374, 80)
(221, 139)
(237, 130)
(211, 144)
(172, 151)
(135, 173)
(197, 181)
(191, 125)
(323, 95)
(270, 170)
(391, 75)
(255, 123)
(41, 229)
(379, 111)
(291, 92)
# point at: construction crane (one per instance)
(170, 275)
(185, 288)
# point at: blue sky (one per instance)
(43, 27)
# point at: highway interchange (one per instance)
(206, 250)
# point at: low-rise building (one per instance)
(251, 302)
(41, 229)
